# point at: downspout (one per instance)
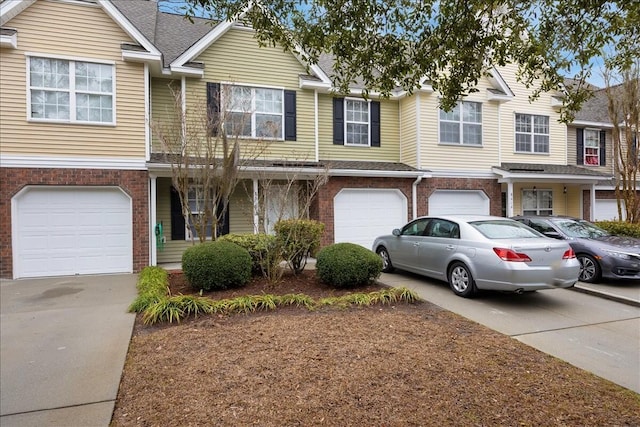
(315, 124)
(256, 207)
(414, 197)
(147, 114)
(418, 134)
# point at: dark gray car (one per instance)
(601, 254)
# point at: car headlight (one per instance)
(621, 255)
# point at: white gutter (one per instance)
(414, 197)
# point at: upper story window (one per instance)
(356, 122)
(532, 133)
(254, 112)
(71, 91)
(462, 125)
(592, 147)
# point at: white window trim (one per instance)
(347, 122)
(531, 134)
(584, 146)
(461, 124)
(72, 100)
(223, 88)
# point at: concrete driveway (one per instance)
(62, 348)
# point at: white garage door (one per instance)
(443, 202)
(361, 215)
(60, 231)
(607, 209)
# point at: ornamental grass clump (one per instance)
(347, 265)
(216, 265)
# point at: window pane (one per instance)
(449, 132)
(523, 123)
(240, 99)
(472, 134)
(523, 142)
(357, 111)
(357, 134)
(238, 124)
(541, 124)
(472, 112)
(453, 115)
(268, 101)
(541, 144)
(268, 125)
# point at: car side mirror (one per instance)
(396, 232)
(553, 234)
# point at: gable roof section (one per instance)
(547, 173)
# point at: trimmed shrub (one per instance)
(299, 239)
(263, 249)
(347, 265)
(620, 228)
(216, 265)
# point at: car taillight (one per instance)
(511, 255)
(569, 254)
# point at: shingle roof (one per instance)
(545, 169)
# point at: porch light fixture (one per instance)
(564, 190)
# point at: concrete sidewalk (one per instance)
(62, 349)
(626, 292)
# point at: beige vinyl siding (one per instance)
(541, 106)
(389, 150)
(408, 130)
(240, 218)
(236, 58)
(165, 119)
(455, 157)
(76, 31)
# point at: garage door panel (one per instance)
(361, 215)
(444, 202)
(73, 230)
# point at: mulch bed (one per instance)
(398, 365)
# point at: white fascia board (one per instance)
(187, 71)
(9, 9)
(13, 161)
(500, 82)
(315, 85)
(537, 177)
(146, 57)
(202, 44)
(591, 124)
(128, 27)
(9, 41)
(496, 97)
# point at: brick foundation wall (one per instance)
(134, 183)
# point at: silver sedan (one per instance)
(474, 252)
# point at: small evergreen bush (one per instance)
(299, 239)
(620, 228)
(347, 265)
(263, 249)
(216, 265)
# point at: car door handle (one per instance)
(450, 247)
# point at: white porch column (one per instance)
(256, 207)
(510, 199)
(153, 241)
(592, 196)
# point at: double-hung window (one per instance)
(71, 91)
(592, 147)
(357, 122)
(532, 133)
(537, 202)
(462, 125)
(254, 112)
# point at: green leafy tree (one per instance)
(451, 43)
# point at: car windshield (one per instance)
(503, 229)
(573, 228)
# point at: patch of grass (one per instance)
(157, 305)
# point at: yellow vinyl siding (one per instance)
(442, 157)
(75, 31)
(541, 106)
(164, 117)
(236, 58)
(408, 130)
(389, 150)
(563, 203)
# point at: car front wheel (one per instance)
(589, 269)
(387, 267)
(461, 281)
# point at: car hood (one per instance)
(620, 242)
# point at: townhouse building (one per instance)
(86, 182)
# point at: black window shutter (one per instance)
(290, 115)
(213, 106)
(603, 148)
(375, 124)
(580, 146)
(177, 220)
(338, 121)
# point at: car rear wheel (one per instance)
(589, 269)
(387, 267)
(461, 281)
